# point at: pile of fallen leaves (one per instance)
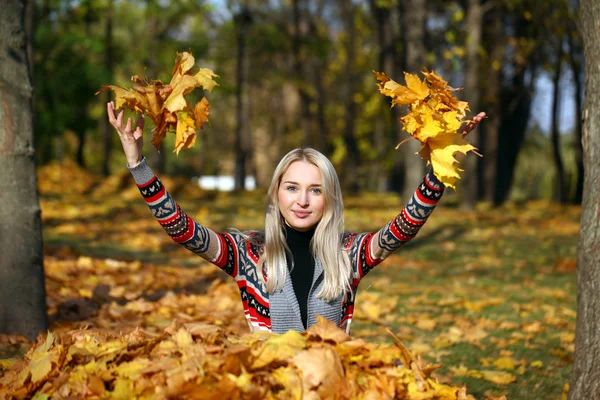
(202, 361)
(434, 119)
(52, 178)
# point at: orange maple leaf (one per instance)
(166, 105)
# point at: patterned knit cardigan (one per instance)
(238, 257)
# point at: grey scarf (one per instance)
(285, 311)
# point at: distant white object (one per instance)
(223, 183)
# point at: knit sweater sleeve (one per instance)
(370, 249)
(217, 248)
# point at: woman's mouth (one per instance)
(301, 214)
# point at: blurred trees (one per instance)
(301, 74)
(23, 295)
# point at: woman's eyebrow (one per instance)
(296, 183)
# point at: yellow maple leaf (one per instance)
(498, 377)
(402, 95)
(277, 348)
(434, 120)
(166, 105)
(185, 135)
(440, 151)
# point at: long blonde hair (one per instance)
(326, 244)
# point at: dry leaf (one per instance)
(434, 119)
(166, 105)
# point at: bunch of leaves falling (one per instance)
(196, 360)
(166, 105)
(434, 119)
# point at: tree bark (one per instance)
(472, 72)
(560, 189)
(575, 52)
(23, 296)
(585, 380)
(414, 14)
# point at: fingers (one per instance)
(125, 132)
(475, 121)
(139, 127)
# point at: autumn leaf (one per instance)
(434, 120)
(166, 104)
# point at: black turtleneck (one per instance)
(304, 266)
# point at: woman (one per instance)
(304, 264)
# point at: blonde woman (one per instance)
(303, 264)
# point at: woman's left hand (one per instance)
(475, 121)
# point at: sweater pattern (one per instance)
(238, 256)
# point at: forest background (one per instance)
(296, 73)
(486, 290)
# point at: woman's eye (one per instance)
(291, 188)
(316, 191)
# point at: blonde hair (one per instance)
(326, 243)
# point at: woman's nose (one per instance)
(303, 199)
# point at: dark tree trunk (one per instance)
(23, 296)
(575, 61)
(516, 109)
(352, 161)
(242, 20)
(585, 381)
(414, 13)
(108, 65)
(300, 62)
(319, 65)
(491, 128)
(560, 194)
(156, 157)
(474, 23)
(386, 58)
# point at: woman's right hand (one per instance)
(131, 140)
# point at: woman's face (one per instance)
(300, 194)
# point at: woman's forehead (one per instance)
(302, 171)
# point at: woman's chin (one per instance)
(301, 225)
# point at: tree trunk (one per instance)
(585, 381)
(414, 14)
(575, 61)
(242, 20)
(108, 65)
(560, 189)
(352, 161)
(474, 24)
(491, 128)
(319, 66)
(516, 110)
(386, 59)
(23, 296)
(156, 157)
(300, 61)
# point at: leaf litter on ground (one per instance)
(471, 314)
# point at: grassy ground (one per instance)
(488, 294)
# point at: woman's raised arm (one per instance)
(219, 249)
(372, 248)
